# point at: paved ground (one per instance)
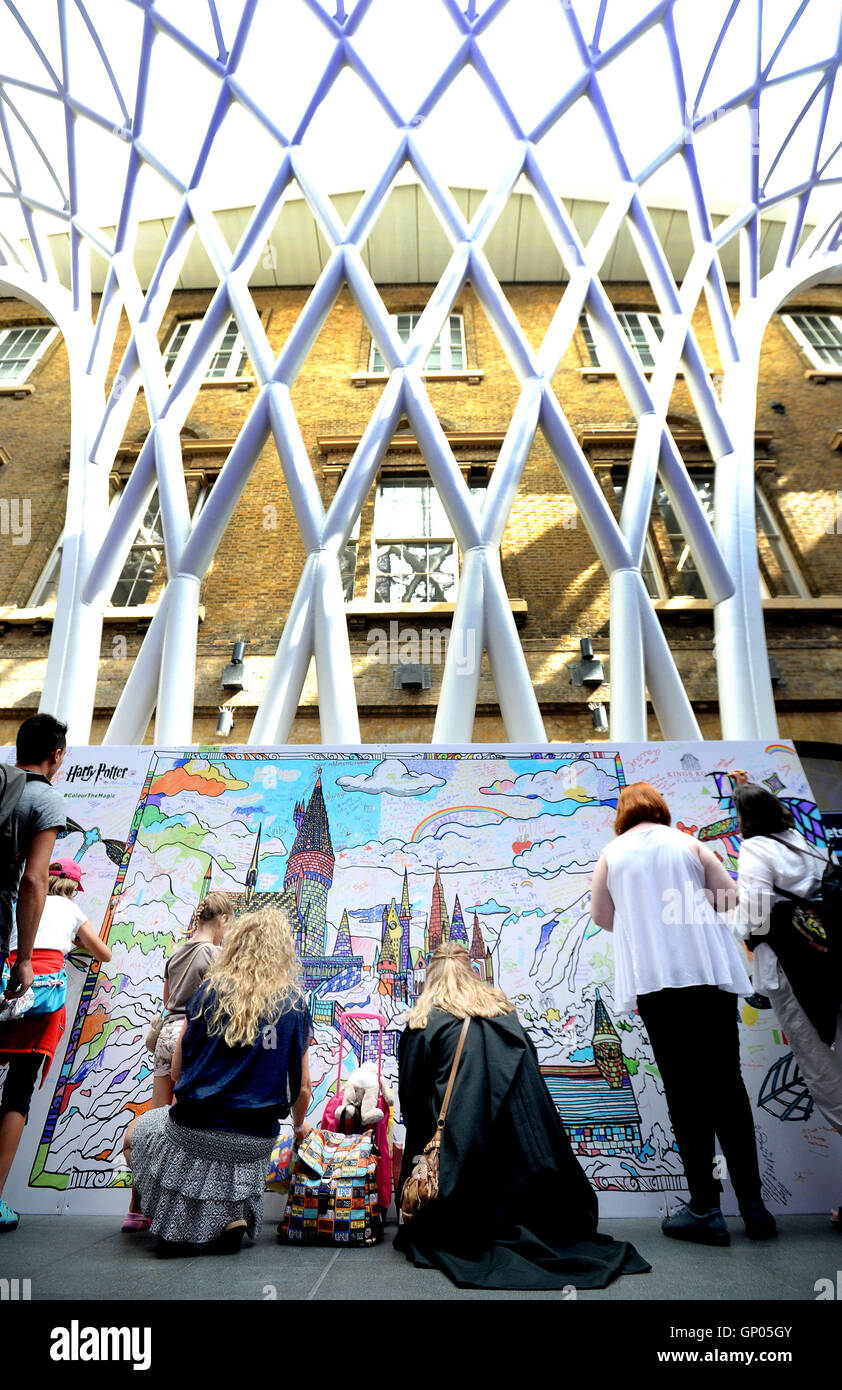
(77, 1257)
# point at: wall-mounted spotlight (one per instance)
(599, 717)
(587, 671)
(232, 675)
(778, 407)
(225, 722)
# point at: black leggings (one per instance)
(695, 1039)
(20, 1080)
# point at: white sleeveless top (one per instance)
(666, 933)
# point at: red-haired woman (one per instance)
(677, 962)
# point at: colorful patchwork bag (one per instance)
(333, 1192)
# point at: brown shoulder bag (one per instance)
(422, 1185)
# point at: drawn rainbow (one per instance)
(447, 814)
(780, 748)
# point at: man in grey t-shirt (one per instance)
(33, 826)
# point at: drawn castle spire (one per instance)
(438, 930)
(343, 937)
(457, 925)
(310, 868)
(607, 1048)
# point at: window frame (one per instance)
(441, 537)
(667, 577)
(50, 333)
(647, 320)
(45, 577)
(238, 353)
(445, 349)
(804, 342)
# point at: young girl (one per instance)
(183, 973)
(28, 1044)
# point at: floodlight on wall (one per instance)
(598, 717)
(225, 722)
(411, 676)
(778, 407)
(588, 671)
(232, 675)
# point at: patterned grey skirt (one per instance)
(193, 1182)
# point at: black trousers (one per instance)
(20, 1080)
(695, 1039)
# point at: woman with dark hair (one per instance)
(802, 983)
(676, 961)
(514, 1209)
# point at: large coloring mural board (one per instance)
(378, 854)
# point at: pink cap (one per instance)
(66, 868)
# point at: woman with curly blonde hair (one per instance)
(240, 1067)
(514, 1209)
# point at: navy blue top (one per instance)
(248, 1088)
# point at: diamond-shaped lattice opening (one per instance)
(740, 40)
(724, 177)
(300, 46)
(241, 164)
(520, 246)
(576, 148)
(173, 73)
(349, 139)
(407, 227)
(38, 147)
(426, 34)
(102, 159)
(85, 58)
(644, 129)
(809, 42)
(19, 55)
(502, 45)
(295, 251)
(779, 107)
(464, 109)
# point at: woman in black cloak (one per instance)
(515, 1210)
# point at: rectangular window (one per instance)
(650, 569)
(779, 574)
(229, 360)
(414, 552)
(820, 335)
(643, 331)
(348, 562)
(448, 351)
(20, 349)
(141, 566)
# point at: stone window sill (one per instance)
(365, 610)
(820, 375)
(473, 378)
(18, 389)
(45, 615)
(598, 373)
(828, 603)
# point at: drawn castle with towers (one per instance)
(308, 878)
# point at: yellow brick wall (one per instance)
(547, 556)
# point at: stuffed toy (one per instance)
(360, 1098)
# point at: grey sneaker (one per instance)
(709, 1229)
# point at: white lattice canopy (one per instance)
(112, 111)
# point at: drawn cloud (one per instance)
(432, 852)
(197, 775)
(549, 858)
(580, 781)
(392, 778)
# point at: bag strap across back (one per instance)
(456, 1060)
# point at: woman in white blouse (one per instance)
(676, 961)
(774, 855)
